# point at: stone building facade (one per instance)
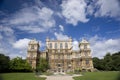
(61, 56)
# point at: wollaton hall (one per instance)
(60, 55)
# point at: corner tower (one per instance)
(86, 57)
(33, 53)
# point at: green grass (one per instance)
(19, 76)
(111, 75)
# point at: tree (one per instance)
(98, 63)
(42, 65)
(4, 63)
(108, 62)
(116, 61)
(20, 65)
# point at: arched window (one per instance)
(61, 46)
(66, 45)
(50, 45)
(55, 45)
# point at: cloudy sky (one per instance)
(98, 21)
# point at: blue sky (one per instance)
(95, 20)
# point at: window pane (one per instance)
(55, 45)
(66, 45)
(50, 45)
(85, 46)
(61, 46)
(87, 61)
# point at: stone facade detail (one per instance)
(61, 56)
(33, 53)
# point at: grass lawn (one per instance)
(19, 76)
(111, 75)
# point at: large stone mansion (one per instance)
(60, 55)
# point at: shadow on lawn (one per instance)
(1, 78)
(118, 78)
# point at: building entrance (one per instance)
(60, 69)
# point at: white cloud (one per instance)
(61, 27)
(8, 38)
(21, 43)
(33, 19)
(23, 16)
(20, 48)
(29, 19)
(7, 30)
(90, 9)
(61, 36)
(109, 8)
(7, 34)
(101, 46)
(75, 45)
(32, 29)
(74, 11)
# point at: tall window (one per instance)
(87, 62)
(55, 45)
(50, 45)
(66, 45)
(68, 56)
(61, 46)
(85, 46)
